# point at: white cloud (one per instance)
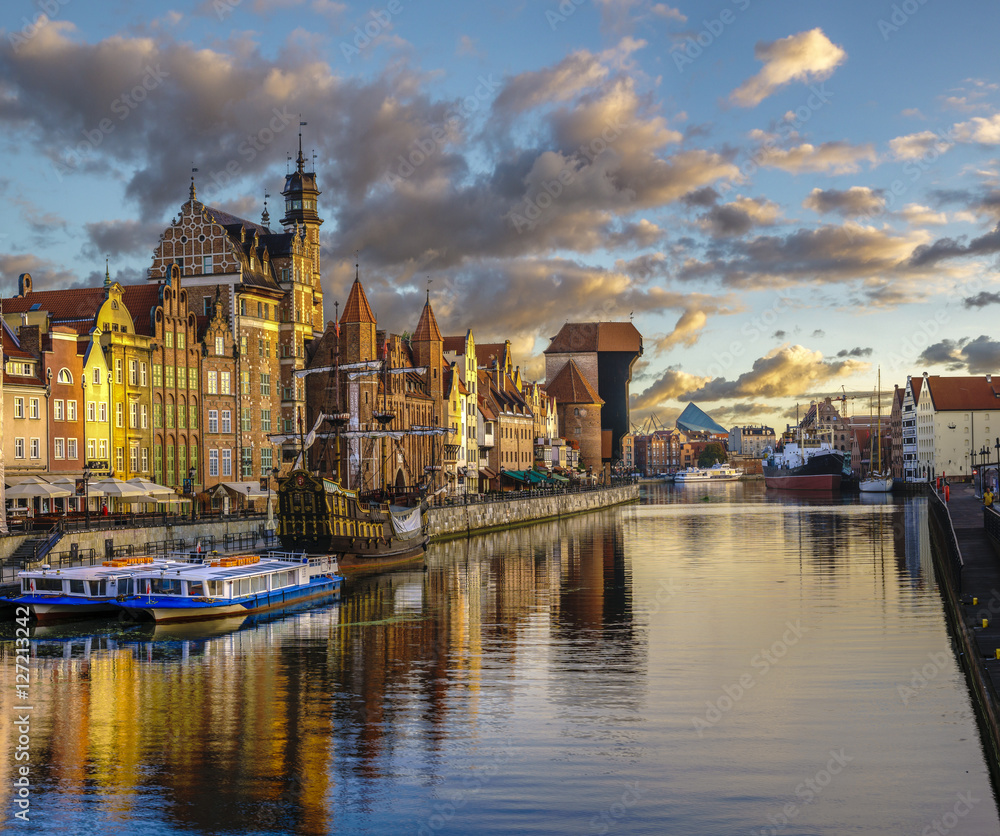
(806, 56)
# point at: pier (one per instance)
(969, 575)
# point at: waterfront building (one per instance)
(604, 354)
(751, 441)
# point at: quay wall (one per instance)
(948, 560)
(451, 521)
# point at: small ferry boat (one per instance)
(82, 591)
(226, 586)
(715, 473)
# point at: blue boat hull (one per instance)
(163, 608)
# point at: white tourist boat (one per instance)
(82, 591)
(715, 473)
(227, 586)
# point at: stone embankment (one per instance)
(448, 521)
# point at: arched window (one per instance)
(65, 376)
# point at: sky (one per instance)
(786, 198)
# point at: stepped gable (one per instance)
(356, 308)
(571, 386)
(694, 419)
(427, 328)
(957, 393)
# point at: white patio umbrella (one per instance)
(152, 488)
(32, 489)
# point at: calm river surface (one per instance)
(716, 660)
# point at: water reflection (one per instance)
(525, 681)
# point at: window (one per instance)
(59, 448)
(213, 420)
(246, 423)
(246, 455)
(144, 418)
(226, 422)
(244, 383)
(225, 385)
(193, 416)
(58, 410)
(64, 376)
(18, 448)
(35, 448)
(70, 410)
(213, 383)
(266, 461)
(213, 462)
(142, 374)
(103, 413)
(133, 416)
(168, 339)
(71, 450)
(133, 373)
(265, 420)
(265, 385)
(33, 408)
(157, 375)
(118, 370)
(206, 267)
(18, 407)
(119, 415)
(227, 462)
(220, 345)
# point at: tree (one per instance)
(712, 453)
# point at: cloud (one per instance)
(981, 300)
(787, 371)
(985, 131)
(836, 157)
(915, 146)
(857, 200)
(670, 385)
(739, 217)
(976, 356)
(806, 56)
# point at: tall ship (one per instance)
(805, 465)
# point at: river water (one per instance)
(716, 660)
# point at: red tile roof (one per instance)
(356, 308)
(571, 386)
(956, 393)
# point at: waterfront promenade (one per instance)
(971, 582)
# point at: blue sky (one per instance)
(784, 195)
